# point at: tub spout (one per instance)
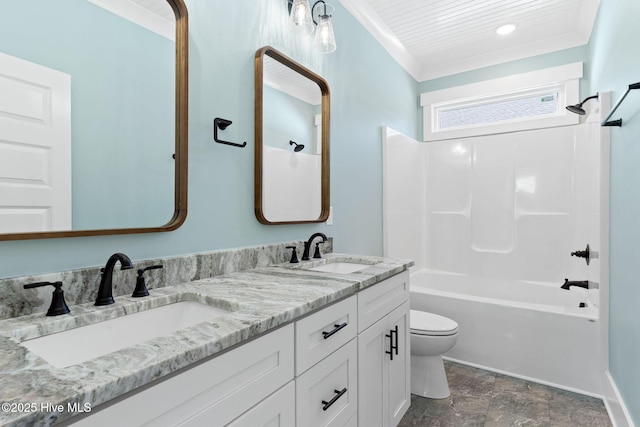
(579, 283)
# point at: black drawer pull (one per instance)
(335, 329)
(396, 347)
(338, 395)
(391, 345)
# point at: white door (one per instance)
(35, 147)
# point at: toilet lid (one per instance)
(423, 323)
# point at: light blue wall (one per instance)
(553, 59)
(94, 47)
(368, 90)
(615, 63)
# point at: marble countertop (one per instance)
(260, 300)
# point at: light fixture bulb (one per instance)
(325, 40)
(505, 29)
(300, 21)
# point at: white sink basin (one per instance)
(88, 342)
(341, 267)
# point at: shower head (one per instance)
(298, 147)
(577, 108)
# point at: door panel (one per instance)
(35, 147)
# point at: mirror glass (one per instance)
(292, 142)
(88, 128)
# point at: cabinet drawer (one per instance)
(277, 410)
(322, 333)
(327, 394)
(212, 393)
(378, 300)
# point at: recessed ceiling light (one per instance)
(505, 29)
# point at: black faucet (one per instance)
(105, 295)
(307, 246)
(579, 283)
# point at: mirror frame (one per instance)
(181, 147)
(258, 140)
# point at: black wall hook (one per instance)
(223, 124)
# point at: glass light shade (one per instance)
(300, 21)
(325, 40)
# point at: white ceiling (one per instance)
(435, 38)
(158, 7)
(154, 15)
(286, 80)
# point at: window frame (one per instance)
(563, 80)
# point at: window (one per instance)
(502, 105)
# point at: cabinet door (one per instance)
(399, 388)
(372, 374)
(384, 379)
(278, 410)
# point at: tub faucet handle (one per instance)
(586, 254)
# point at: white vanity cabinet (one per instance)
(384, 359)
(330, 368)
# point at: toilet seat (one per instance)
(423, 323)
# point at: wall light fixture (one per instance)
(303, 19)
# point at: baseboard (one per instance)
(618, 412)
(526, 378)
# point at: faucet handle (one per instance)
(586, 254)
(316, 253)
(58, 305)
(294, 255)
(141, 287)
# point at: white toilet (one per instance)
(431, 336)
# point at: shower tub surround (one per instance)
(262, 299)
(491, 222)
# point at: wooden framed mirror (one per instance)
(93, 139)
(291, 173)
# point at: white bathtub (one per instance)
(530, 330)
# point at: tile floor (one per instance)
(482, 398)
